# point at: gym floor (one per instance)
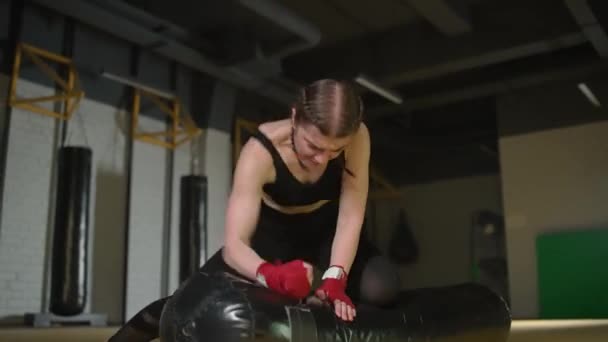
(521, 331)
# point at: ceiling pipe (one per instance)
(267, 64)
(288, 20)
(143, 18)
(489, 89)
(488, 58)
(591, 27)
(442, 16)
(91, 13)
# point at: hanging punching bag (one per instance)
(69, 263)
(192, 224)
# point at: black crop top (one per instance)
(289, 191)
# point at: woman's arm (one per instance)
(243, 208)
(352, 201)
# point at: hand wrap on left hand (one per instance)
(333, 286)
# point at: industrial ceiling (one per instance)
(446, 61)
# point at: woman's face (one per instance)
(315, 149)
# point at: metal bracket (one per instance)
(70, 95)
(182, 126)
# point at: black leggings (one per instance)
(279, 237)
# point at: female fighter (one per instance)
(297, 203)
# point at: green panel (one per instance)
(475, 272)
(573, 274)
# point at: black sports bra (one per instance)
(289, 191)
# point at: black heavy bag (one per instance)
(220, 307)
(192, 224)
(69, 263)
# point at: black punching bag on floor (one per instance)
(192, 224)
(224, 308)
(69, 263)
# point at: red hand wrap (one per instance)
(334, 285)
(289, 279)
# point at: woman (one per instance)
(298, 201)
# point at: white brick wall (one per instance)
(25, 219)
(25, 212)
(100, 127)
(146, 221)
(218, 168)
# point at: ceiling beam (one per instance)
(442, 16)
(91, 13)
(583, 14)
(412, 52)
(486, 58)
(489, 89)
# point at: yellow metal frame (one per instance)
(71, 92)
(386, 190)
(240, 125)
(182, 127)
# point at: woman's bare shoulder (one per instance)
(256, 156)
(255, 159)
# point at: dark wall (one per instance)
(94, 51)
(155, 72)
(4, 34)
(184, 88)
(550, 106)
(447, 142)
(44, 30)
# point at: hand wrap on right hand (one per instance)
(290, 279)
